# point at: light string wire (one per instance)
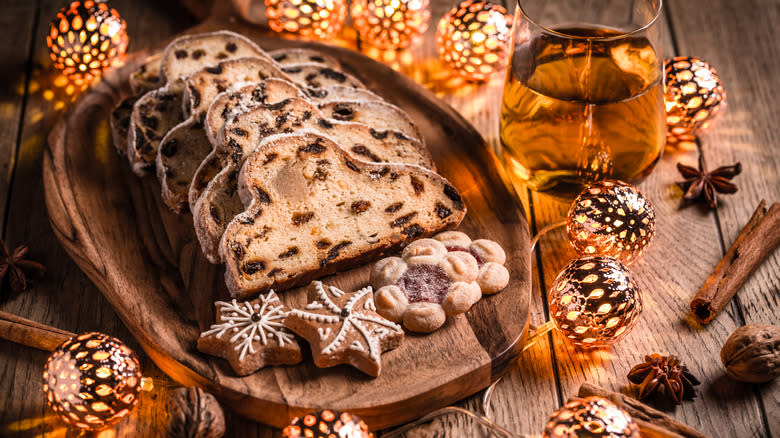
(484, 418)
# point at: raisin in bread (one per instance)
(186, 145)
(188, 54)
(218, 202)
(120, 122)
(314, 211)
(147, 77)
(154, 114)
(303, 56)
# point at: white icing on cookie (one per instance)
(249, 324)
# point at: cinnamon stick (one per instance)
(652, 422)
(754, 244)
(30, 333)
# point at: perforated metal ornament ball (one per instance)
(320, 19)
(611, 218)
(85, 38)
(693, 93)
(471, 39)
(591, 417)
(327, 424)
(92, 381)
(390, 24)
(594, 301)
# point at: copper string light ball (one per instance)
(471, 39)
(594, 301)
(693, 93)
(591, 417)
(319, 19)
(86, 38)
(327, 424)
(611, 218)
(92, 381)
(390, 24)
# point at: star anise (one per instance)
(17, 267)
(664, 377)
(700, 184)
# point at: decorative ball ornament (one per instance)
(591, 417)
(86, 38)
(611, 218)
(321, 19)
(92, 381)
(471, 39)
(390, 24)
(327, 424)
(693, 93)
(594, 301)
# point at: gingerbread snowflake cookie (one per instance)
(344, 328)
(251, 335)
(435, 278)
(493, 275)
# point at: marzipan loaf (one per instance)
(315, 210)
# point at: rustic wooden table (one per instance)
(739, 38)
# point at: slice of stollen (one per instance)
(318, 76)
(120, 121)
(182, 57)
(203, 86)
(314, 211)
(153, 115)
(219, 202)
(188, 54)
(147, 77)
(303, 56)
(186, 145)
(244, 133)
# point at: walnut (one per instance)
(194, 413)
(752, 353)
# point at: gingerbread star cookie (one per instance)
(344, 328)
(251, 335)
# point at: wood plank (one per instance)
(15, 25)
(740, 42)
(65, 298)
(668, 276)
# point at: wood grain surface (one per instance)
(739, 38)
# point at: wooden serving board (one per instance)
(147, 262)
